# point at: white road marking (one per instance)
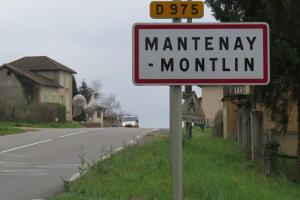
(74, 177)
(12, 163)
(138, 137)
(149, 131)
(63, 166)
(14, 155)
(28, 145)
(23, 172)
(77, 175)
(96, 129)
(36, 174)
(119, 149)
(132, 142)
(63, 136)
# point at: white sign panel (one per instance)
(189, 54)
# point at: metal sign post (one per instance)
(188, 91)
(176, 137)
(176, 140)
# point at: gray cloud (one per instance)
(91, 36)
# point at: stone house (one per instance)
(37, 79)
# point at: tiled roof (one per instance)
(40, 63)
(42, 80)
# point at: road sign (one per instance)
(205, 54)
(192, 110)
(179, 9)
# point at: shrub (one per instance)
(61, 112)
(44, 112)
(2, 110)
(218, 125)
(34, 112)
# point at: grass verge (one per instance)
(7, 129)
(213, 169)
(42, 124)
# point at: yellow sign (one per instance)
(176, 9)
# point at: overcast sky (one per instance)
(93, 37)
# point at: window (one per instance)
(98, 114)
(8, 73)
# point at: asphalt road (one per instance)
(32, 164)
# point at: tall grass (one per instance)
(213, 169)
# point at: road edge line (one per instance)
(77, 175)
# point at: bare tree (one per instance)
(96, 85)
(110, 102)
(112, 105)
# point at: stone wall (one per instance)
(211, 102)
(229, 118)
(54, 95)
(11, 92)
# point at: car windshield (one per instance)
(126, 119)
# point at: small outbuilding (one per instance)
(97, 116)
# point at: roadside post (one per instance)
(175, 125)
(185, 54)
(175, 139)
(176, 136)
(188, 91)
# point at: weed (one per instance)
(82, 168)
(66, 184)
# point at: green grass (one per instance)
(8, 129)
(49, 124)
(287, 166)
(43, 124)
(213, 168)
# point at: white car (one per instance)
(130, 121)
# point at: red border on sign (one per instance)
(263, 26)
